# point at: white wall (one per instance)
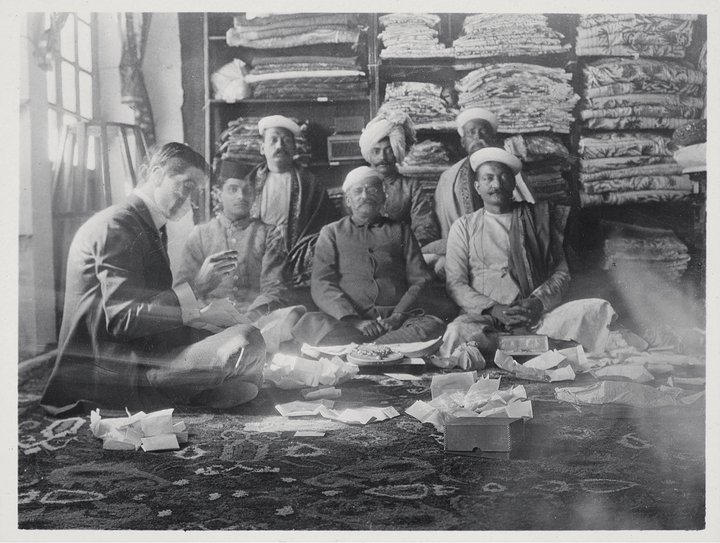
(162, 71)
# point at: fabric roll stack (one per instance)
(629, 167)
(632, 94)
(690, 144)
(423, 102)
(493, 34)
(635, 250)
(633, 35)
(524, 97)
(241, 142)
(411, 35)
(285, 69)
(427, 158)
(545, 160)
(282, 31)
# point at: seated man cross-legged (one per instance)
(505, 262)
(252, 253)
(128, 338)
(368, 276)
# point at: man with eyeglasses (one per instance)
(368, 275)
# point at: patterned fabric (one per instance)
(245, 469)
(636, 35)
(281, 31)
(673, 75)
(651, 169)
(638, 183)
(413, 35)
(632, 197)
(524, 97)
(487, 35)
(423, 102)
(614, 144)
(135, 28)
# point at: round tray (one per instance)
(367, 361)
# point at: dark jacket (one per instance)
(120, 314)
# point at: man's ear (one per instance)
(154, 176)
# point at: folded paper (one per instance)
(292, 372)
(154, 431)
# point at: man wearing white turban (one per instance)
(288, 196)
(369, 277)
(454, 194)
(383, 144)
(505, 262)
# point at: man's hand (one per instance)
(211, 273)
(393, 322)
(369, 328)
(511, 316)
(218, 315)
(533, 306)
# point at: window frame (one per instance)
(58, 59)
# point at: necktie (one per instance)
(163, 237)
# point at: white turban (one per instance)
(476, 113)
(278, 121)
(363, 173)
(495, 154)
(394, 125)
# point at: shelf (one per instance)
(317, 100)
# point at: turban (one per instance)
(476, 113)
(394, 125)
(363, 173)
(229, 169)
(278, 121)
(495, 154)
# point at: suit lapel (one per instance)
(143, 213)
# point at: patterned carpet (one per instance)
(595, 468)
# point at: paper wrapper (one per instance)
(291, 372)
(152, 431)
(563, 373)
(324, 408)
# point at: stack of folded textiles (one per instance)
(545, 159)
(299, 74)
(641, 93)
(633, 249)
(423, 102)
(426, 158)
(411, 35)
(634, 35)
(241, 142)
(524, 97)
(493, 34)
(629, 167)
(282, 31)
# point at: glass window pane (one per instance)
(52, 134)
(67, 39)
(84, 46)
(91, 153)
(86, 95)
(51, 90)
(83, 16)
(68, 86)
(69, 120)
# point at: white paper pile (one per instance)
(290, 372)
(461, 395)
(324, 408)
(154, 431)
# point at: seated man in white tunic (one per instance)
(505, 262)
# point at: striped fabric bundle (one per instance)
(423, 102)
(545, 161)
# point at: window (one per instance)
(72, 83)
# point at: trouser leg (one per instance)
(414, 329)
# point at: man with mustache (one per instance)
(255, 290)
(128, 337)
(505, 262)
(383, 144)
(288, 196)
(368, 276)
(455, 194)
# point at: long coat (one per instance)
(121, 316)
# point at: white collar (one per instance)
(158, 218)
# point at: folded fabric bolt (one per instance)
(586, 321)
(152, 431)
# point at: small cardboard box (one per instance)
(487, 437)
